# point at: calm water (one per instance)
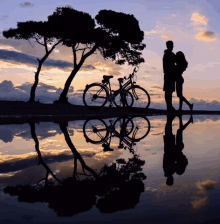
(154, 175)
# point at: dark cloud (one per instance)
(26, 4)
(21, 58)
(4, 17)
(209, 34)
(156, 87)
(90, 67)
(44, 93)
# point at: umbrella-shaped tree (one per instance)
(117, 36)
(42, 33)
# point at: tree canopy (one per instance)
(115, 35)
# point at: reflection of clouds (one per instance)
(44, 130)
(203, 187)
(6, 135)
(12, 163)
(198, 203)
(206, 185)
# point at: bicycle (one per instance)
(128, 129)
(129, 95)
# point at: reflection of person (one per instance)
(169, 71)
(181, 65)
(174, 160)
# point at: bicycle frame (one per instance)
(122, 137)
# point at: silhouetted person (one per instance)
(169, 74)
(169, 151)
(181, 65)
(174, 160)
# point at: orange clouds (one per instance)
(206, 36)
(150, 32)
(203, 35)
(168, 37)
(199, 19)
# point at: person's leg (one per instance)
(168, 99)
(179, 90)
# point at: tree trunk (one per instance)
(63, 95)
(74, 151)
(33, 88)
(34, 136)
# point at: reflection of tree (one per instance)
(77, 156)
(48, 171)
(174, 160)
(121, 185)
(117, 186)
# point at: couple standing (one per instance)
(173, 67)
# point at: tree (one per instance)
(42, 33)
(116, 36)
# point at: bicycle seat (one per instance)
(120, 79)
(107, 76)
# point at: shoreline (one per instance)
(24, 112)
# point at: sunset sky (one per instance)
(192, 25)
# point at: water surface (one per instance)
(46, 153)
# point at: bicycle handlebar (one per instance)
(132, 74)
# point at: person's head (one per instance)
(180, 55)
(169, 44)
(180, 58)
(170, 181)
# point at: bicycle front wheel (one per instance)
(95, 96)
(128, 100)
(141, 98)
(95, 131)
(141, 128)
(124, 123)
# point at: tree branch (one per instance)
(90, 52)
(82, 49)
(45, 45)
(54, 46)
(74, 56)
(77, 46)
(39, 42)
(30, 43)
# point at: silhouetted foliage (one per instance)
(43, 34)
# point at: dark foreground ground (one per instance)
(22, 112)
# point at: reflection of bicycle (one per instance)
(96, 95)
(128, 130)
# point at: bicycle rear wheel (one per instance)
(141, 98)
(95, 96)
